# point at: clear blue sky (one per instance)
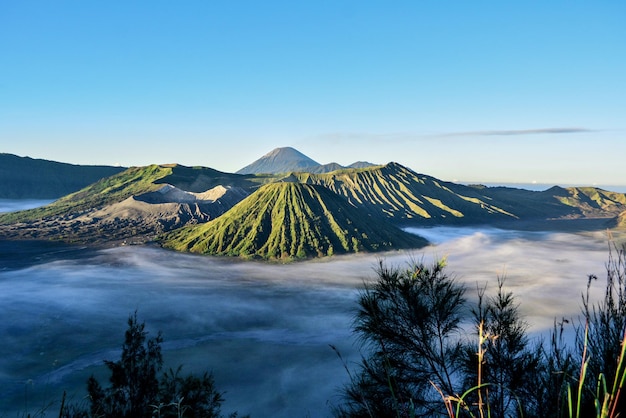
(490, 91)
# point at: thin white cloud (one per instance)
(337, 137)
(512, 132)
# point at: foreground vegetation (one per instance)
(136, 391)
(421, 361)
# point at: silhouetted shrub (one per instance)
(420, 362)
(409, 321)
(135, 390)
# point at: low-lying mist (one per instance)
(264, 330)
(12, 205)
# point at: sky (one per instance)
(468, 91)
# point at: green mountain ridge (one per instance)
(113, 189)
(394, 191)
(135, 181)
(140, 203)
(133, 206)
(593, 201)
(291, 220)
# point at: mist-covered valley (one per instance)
(264, 330)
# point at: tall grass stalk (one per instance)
(620, 378)
(583, 373)
(606, 402)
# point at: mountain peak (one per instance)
(280, 160)
(286, 152)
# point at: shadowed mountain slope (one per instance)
(200, 179)
(558, 202)
(29, 178)
(291, 220)
(619, 221)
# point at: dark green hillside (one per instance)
(114, 189)
(558, 202)
(291, 220)
(25, 177)
(199, 179)
(528, 204)
(396, 192)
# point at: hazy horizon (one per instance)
(534, 186)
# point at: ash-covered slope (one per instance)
(291, 220)
(136, 205)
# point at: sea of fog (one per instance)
(264, 330)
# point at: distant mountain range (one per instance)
(29, 178)
(287, 160)
(285, 215)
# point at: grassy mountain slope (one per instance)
(593, 201)
(114, 189)
(133, 182)
(291, 220)
(396, 192)
(133, 206)
(25, 177)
